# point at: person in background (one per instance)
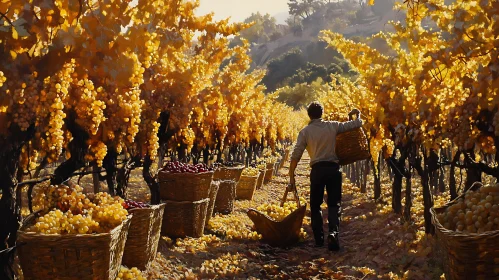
(319, 138)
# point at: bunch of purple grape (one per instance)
(131, 204)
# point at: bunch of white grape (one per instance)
(478, 212)
(69, 211)
(250, 172)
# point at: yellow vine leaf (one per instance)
(371, 2)
(14, 33)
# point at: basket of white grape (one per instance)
(247, 184)
(74, 236)
(228, 171)
(268, 175)
(280, 226)
(143, 234)
(261, 176)
(184, 182)
(468, 231)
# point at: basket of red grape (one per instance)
(184, 182)
(143, 234)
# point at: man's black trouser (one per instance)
(325, 174)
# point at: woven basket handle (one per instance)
(291, 188)
(475, 186)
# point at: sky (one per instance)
(239, 10)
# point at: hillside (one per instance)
(348, 18)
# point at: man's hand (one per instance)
(354, 112)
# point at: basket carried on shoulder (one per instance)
(211, 204)
(351, 146)
(184, 186)
(184, 218)
(467, 255)
(71, 256)
(246, 187)
(224, 203)
(143, 236)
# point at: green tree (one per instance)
(280, 68)
(295, 25)
(305, 8)
(301, 95)
(264, 26)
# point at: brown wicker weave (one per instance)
(184, 218)
(143, 236)
(467, 255)
(224, 203)
(282, 233)
(259, 183)
(228, 173)
(282, 162)
(351, 146)
(270, 165)
(213, 196)
(184, 186)
(246, 187)
(268, 175)
(71, 256)
(276, 168)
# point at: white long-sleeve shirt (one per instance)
(319, 138)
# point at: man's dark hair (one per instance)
(315, 110)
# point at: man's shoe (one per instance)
(333, 242)
(319, 245)
(319, 242)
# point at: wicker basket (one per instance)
(184, 218)
(276, 168)
(259, 183)
(143, 236)
(467, 255)
(270, 165)
(282, 162)
(228, 173)
(213, 196)
(268, 175)
(351, 146)
(224, 203)
(246, 187)
(184, 186)
(71, 256)
(281, 234)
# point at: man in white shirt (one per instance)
(319, 138)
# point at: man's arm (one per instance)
(292, 167)
(350, 125)
(301, 144)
